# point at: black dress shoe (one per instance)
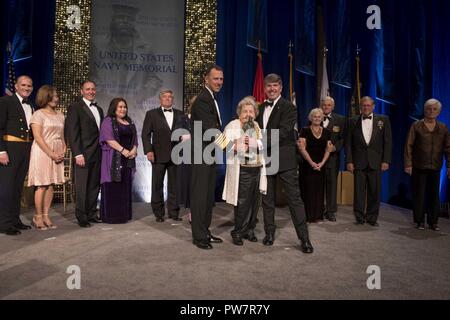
(238, 241)
(95, 220)
(84, 224)
(420, 226)
(176, 218)
(21, 226)
(331, 217)
(213, 239)
(203, 245)
(435, 227)
(250, 236)
(268, 239)
(159, 219)
(360, 222)
(307, 246)
(12, 232)
(374, 224)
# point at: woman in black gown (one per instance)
(119, 149)
(184, 168)
(315, 146)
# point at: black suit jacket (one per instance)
(337, 127)
(81, 131)
(156, 134)
(12, 120)
(204, 110)
(283, 118)
(378, 150)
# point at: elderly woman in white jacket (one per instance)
(245, 177)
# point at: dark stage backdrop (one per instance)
(29, 25)
(404, 63)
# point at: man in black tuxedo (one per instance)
(279, 114)
(15, 146)
(156, 140)
(82, 128)
(335, 123)
(368, 149)
(205, 112)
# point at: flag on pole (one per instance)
(356, 97)
(291, 83)
(258, 85)
(325, 88)
(291, 74)
(11, 80)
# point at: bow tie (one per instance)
(326, 118)
(367, 117)
(269, 103)
(168, 110)
(215, 96)
(25, 101)
(93, 104)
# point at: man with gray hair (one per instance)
(368, 151)
(157, 131)
(279, 115)
(335, 123)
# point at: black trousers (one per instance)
(87, 186)
(367, 186)
(12, 179)
(158, 173)
(246, 211)
(203, 187)
(292, 191)
(425, 188)
(331, 178)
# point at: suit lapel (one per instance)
(260, 117)
(163, 118)
(275, 110)
(374, 128)
(175, 119)
(88, 112)
(360, 129)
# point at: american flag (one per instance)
(9, 88)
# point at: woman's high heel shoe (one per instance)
(37, 223)
(47, 222)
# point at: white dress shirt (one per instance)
(367, 128)
(326, 122)
(217, 105)
(26, 109)
(169, 116)
(268, 112)
(94, 111)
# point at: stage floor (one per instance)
(144, 259)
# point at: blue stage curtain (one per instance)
(42, 18)
(305, 36)
(337, 26)
(257, 24)
(413, 54)
(441, 70)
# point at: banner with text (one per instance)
(137, 50)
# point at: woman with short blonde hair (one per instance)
(315, 146)
(245, 177)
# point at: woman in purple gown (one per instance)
(119, 149)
